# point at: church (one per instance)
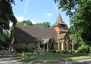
(57, 37)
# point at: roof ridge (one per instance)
(31, 26)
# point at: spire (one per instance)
(59, 20)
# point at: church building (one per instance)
(57, 36)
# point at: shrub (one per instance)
(64, 51)
(29, 48)
(20, 50)
(90, 49)
(57, 51)
(71, 51)
(53, 51)
(83, 49)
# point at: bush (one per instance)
(83, 49)
(57, 51)
(29, 48)
(64, 52)
(20, 50)
(90, 49)
(71, 51)
(53, 51)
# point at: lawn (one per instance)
(52, 57)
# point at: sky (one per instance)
(38, 11)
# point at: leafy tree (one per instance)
(79, 11)
(44, 24)
(6, 16)
(75, 38)
(28, 22)
(25, 22)
(4, 39)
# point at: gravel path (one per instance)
(85, 61)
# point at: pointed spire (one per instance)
(59, 20)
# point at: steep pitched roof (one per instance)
(59, 20)
(26, 33)
(23, 37)
(30, 34)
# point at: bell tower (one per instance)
(59, 25)
(62, 29)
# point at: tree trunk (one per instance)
(11, 45)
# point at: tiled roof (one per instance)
(26, 33)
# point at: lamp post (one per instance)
(43, 47)
(43, 42)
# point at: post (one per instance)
(44, 51)
(11, 45)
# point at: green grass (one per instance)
(79, 57)
(53, 57)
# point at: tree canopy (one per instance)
(6, 14)
(79, 12)
(44, 24)
(25, 22)
(29, 22)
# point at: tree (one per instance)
(79, 11)
(25, 22)
(4, 39)
(28, 22)
(44, 24)
(75, 38)
(6, 14)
